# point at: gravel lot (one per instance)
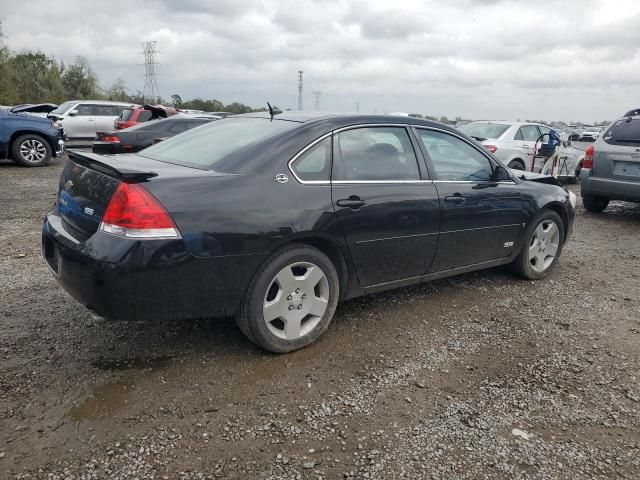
(480, 376)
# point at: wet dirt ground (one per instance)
(479, 376)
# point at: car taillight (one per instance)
(134, 213)
(588, 157)
(110, 139)
(491, 148)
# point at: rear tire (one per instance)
(31, 151)
(542, 246)
(516, 164)
(291, 300)
(595, 204)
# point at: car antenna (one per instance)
(273, 110)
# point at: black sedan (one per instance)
(275, 220)
(134, 139)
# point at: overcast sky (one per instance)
(497, 59)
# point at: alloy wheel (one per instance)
(544, 245)
(296, 300)
(33, 150)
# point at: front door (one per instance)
(526, 138)
(388, 212)
(81, 124)
(481, 217)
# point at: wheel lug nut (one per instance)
(299, 307)
(290, 307)
(289, 297)
(304, 295)
(297, 290)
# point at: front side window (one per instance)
(529, 133)
(454, 159)
(106, 111)
(375, 154)
(315, 163)
(62, 109)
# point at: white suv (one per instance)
(513, 143)
(81, 119)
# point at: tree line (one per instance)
(34, 77)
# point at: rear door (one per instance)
(387, 208)
(481, 218)
(526, 138)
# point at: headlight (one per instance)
(57, 124)
(572, 199)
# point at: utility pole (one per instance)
(150, 91)
(317, 94)
(300, 89)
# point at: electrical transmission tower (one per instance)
(317, 95)
(150, 92)
(299, 89)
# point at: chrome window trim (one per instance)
(344, 182)
(302, 152)
(460, 137)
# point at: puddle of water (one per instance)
(106, 399)
(103, 401)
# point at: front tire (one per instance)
(31, 151)
(291, 300)
(516, 164)
(541, 248)
(595, 204)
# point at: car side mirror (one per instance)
(500, 173)
(73, 113)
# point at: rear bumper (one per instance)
(159, 280)
(106, 148)
(613, 189)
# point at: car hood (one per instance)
(34, 108)
(536, 177)
(26, 117)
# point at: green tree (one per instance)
(80, 80)
(177, 100)
(7, 88)
(118, 91)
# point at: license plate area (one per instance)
(627, 169)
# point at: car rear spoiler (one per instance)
(111, 167)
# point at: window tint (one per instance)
(624, 132)
(106, 111)
(455, 159)
(375, 153)
(223, 145)
(530, 133)
(315, 163)
(85, 110)
(519, 135)
(144, 116)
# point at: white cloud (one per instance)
(479, 58)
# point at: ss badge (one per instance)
(508, 244)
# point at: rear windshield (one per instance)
(624, 132)
(484, 130)
(126, 114)
(144, 115)
(204, 147)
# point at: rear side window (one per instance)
(315, 163)
(529, 133)
(106, 111)
(85, 110)
(126, 114)
(375, 153)
(624, 132)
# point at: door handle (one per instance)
(457, 199)
(354, 202)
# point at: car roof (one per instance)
(339, 119)
(507, 122)
(101, 102)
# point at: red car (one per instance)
(138, 114)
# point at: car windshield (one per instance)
(204, 147)
(126, 114)
(624, 132)
(484, 130)
(64, 108)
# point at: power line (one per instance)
(300, 89)
(150, 91)
(317, 94)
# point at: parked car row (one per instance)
(29, 140)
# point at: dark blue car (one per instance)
(28, 140)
